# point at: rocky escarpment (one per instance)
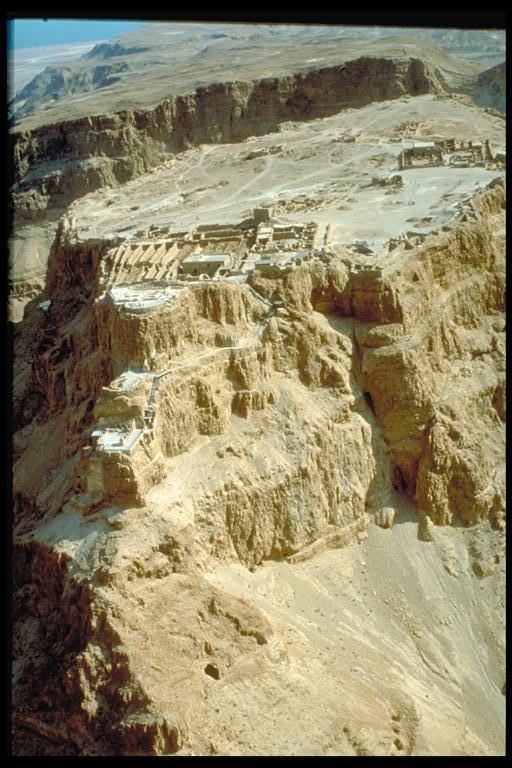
(431, 357)
(75, 688)
(436, 379)
(433, 366)
(113, 49)
(489, 90)
(55, 83)
(428, 355)
(110, 149)
(304, 416)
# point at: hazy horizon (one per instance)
(35, 33)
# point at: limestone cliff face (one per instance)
(147, 339)
(59, 82)
(429, 355)
(436, 378)
(94, 704)
(277, 431)
(430, 341)
(283, 510)
(111, 149)
(489, 90)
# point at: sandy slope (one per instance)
(386, 647)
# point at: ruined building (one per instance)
(421, 155)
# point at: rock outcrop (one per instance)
(489, 90)
(55, 83)
(416, 328)
(94, 704)
(436, 385)
(105, 150)
(310, 413)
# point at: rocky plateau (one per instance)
(260, 511)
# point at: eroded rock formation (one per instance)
(105, 150)
(280, 427)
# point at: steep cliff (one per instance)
(55, 83)
(436, 382)
(350, 392)
(489, 88)
(57, 163)
(419, 332)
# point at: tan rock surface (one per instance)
(301, 428)
(262, 513)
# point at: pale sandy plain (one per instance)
(312, 172)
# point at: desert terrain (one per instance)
(260, 334)
(29, 62)
(320, 171)
(161, 59)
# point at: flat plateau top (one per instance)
(317, 176)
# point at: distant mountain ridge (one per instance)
(57, 82)
(113, 49)
(164, 59)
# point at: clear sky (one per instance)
(30, 33)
